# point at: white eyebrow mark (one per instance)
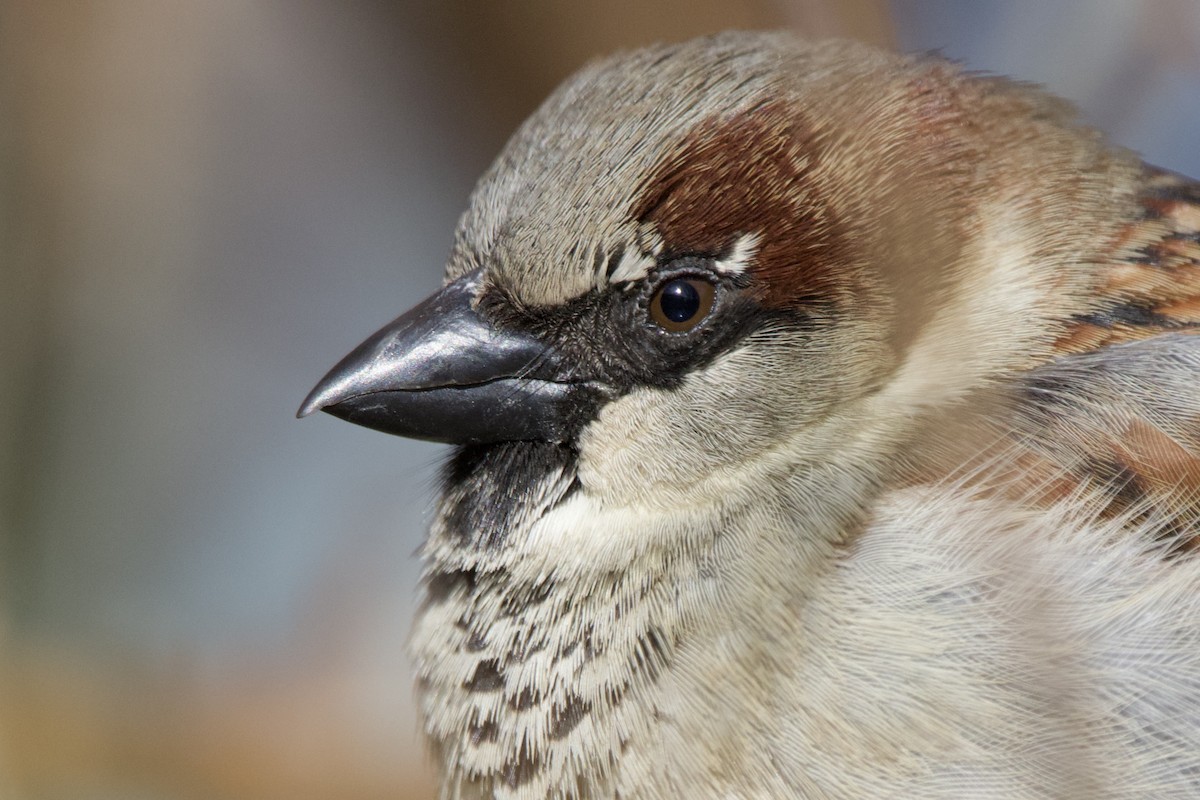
(635, 259)
(637, 262)
(633, 266)
(649, 241)
(740, 257)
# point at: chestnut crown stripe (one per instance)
(752, 174)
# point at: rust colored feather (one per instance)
(1152, 284)
(751, 173)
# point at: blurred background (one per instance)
(203, 206)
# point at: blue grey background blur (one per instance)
(203, 206)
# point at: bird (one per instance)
(826, 424)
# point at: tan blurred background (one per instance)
(203, 205)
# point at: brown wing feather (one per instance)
(1113, 423)
(1128, 466)
(1152, 284)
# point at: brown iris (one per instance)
(681, 303)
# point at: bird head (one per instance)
(693, 258)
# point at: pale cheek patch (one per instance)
(739, 258)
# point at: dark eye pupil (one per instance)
(679, 301)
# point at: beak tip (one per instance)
(312, 404)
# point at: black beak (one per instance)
(441, 372)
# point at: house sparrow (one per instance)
(827, 425)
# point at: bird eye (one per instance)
(680, 304)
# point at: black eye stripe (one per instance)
(610, 335)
